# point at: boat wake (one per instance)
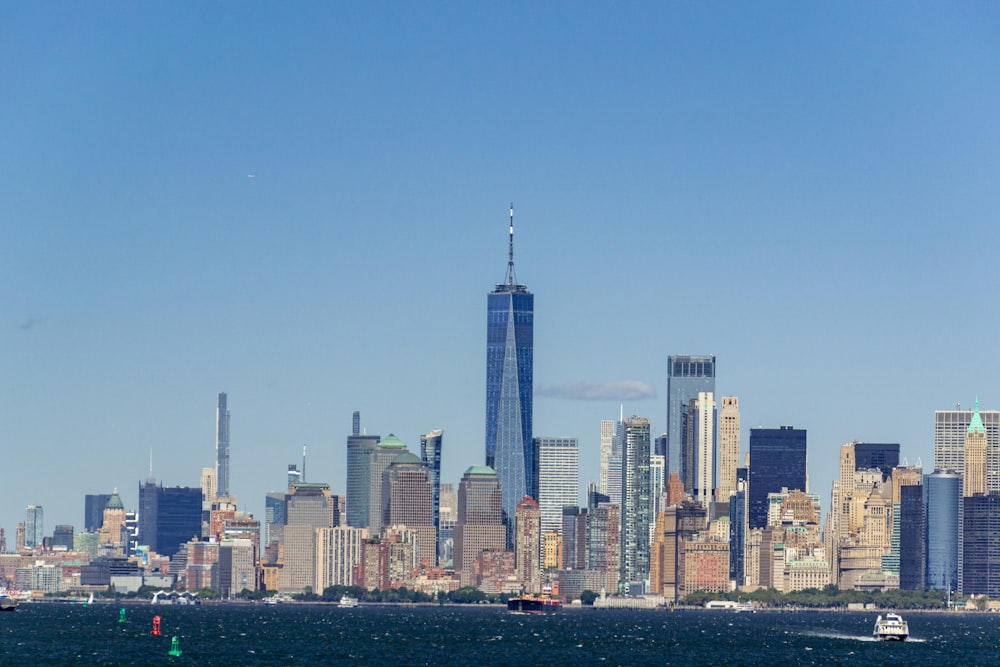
(855, 638)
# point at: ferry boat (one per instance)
(7, 603)
(348, 602)
(891, 628)
(530, 604)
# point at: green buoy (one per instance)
(121, 615)
(175, 646)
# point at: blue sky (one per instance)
(807, 191)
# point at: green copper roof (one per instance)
(480, 470)
(391, 442)
(407, 457)
(115, 502)
(976, 425)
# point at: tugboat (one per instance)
(891, 628)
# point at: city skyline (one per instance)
(308, 223)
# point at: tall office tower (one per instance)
(447, 517)
(705, 448)
(527, 545)
(34, 531)
(574, 536)
(222, 447)
(509, 358)
(912, 547)
(3, 541)
(294, 475)
(309, 506)
(62, 537)
(872, 455)
(113, 535)
(93, 513)
(950, 428)
(604, 541)
(556, 469)
(360, 450)
(675, 490)
(636, 506)
(657, 489)
(901, 477)
(738, 530)
(981, 548)
(729, 448)
(430, 454)
(686, 376)
(168, 517)
(480, 520)
(209, 484)
(275, 517)
(942, 495)
(408, 500)
(777, 460)
(382, 456)
(974, 482)
(607, 443)
(676, 525)
(660, 446)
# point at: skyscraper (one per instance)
(950, 428)
(974, 481)
(705, 448)
(637, 507)
(729, 448)
(168, 517)
(222, 447)
(527, 545)
(480, 520)
(34, 531)
(360, 450)
(607, 442)
(93, 513)
(557, 474)
(686, 376)
(942, 497)
(777, 460)
(408, 500)
(509, 358)
(430, 454)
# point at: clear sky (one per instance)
(806, 190)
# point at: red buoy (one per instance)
(156, 626)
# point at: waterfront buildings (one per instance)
(556, 469)
(338, 554)
(777, 460)
(509, 376)
(222, 446)
(686, 376)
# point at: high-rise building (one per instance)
(275, 516)
(872, 455)
(408, 500)
(168, 516)
(912, 547)
(360, 451)
(607, 443)
(222, 447)
(981, 547)
(974, 481)
(430, 454)
(729, 448)
(527, 545)
(509, 373)
(62, 537)
(480, 520)
(942, 496)
(704, 448)
(382, 456)
(93, 513)
(34, 530)
(557, 473)
(338, 553)
(209, 484)
(309, 506)
(686, 376)
(636, 504)
(777, 461)
(950, 428)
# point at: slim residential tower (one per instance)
(509, 358)
(222, 447)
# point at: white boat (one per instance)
(348, 602)
(891, 628)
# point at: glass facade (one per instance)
(981, 541)
(168, 517)
(870, 455)
(912, 559)
(509, 360)
(430, 455)
(686, 376)
(777, 461)
(942, 494)
(636, 512)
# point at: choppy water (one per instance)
(54, 634)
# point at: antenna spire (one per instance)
(510, 253)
